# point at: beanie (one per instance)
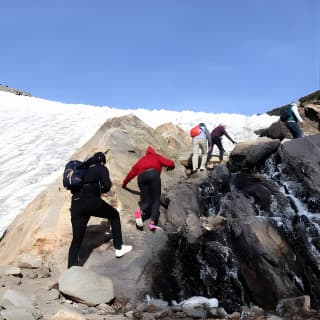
(100, 156)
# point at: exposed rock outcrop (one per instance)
(44, 227)
(15, 91)
(234, 233)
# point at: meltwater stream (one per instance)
(268, 247)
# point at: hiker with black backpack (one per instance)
(87, 202)
(289, 114)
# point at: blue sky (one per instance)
(214, 56)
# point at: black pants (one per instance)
(149, 183)
(81, 211)
(217, 141)
(294, 129)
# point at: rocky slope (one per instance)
(166, 264)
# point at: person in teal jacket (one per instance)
(293, 119)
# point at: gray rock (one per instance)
(68, 315)
(273, 317)
(10, 270)
(218, 312)
(15, 299)
(48, 295)
(28, 260)
(86, 286)
(293, 306)
(195, 311)
(158, 303)
(17, 314)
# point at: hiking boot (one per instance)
(138, 216)
(202, 169)
(153, 227)
(124, 249)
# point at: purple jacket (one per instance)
(219, 131)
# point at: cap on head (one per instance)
(201, 124)
(100, 156)
(296, 103)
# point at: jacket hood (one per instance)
(96, 158)
(150, 150)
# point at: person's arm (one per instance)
(105, 182)
(295, 111)
(209, 139)
(166, 162)
(131, 174)
(226, 134)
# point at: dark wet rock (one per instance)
(300, 162)
(277, 130)
(247, 155)
(221, 178)
(294, 306)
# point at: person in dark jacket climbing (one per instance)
(293, 119)
(87, 202)
(148, 169)
(216, 139)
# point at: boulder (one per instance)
(86, 286)
(30, 261)
(252, 153)
(294, 306)
(10, 270)
(15, 299)
(300, 161)
(18, 314)
(68, 315)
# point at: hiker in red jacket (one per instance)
(216, 139)
(148, 169)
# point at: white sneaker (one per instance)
(124, 249)
(138, 217)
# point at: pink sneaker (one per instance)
(153, 227)
(138, 217)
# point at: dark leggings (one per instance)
(294, 129)
(150, 191)
(81, 211)
(217, 141)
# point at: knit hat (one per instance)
(100, 156)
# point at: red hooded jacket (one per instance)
(151, 160)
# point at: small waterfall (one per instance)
(268, 249)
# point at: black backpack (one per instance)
(285, 112)
(73, 174)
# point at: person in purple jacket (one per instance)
(216, 139)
